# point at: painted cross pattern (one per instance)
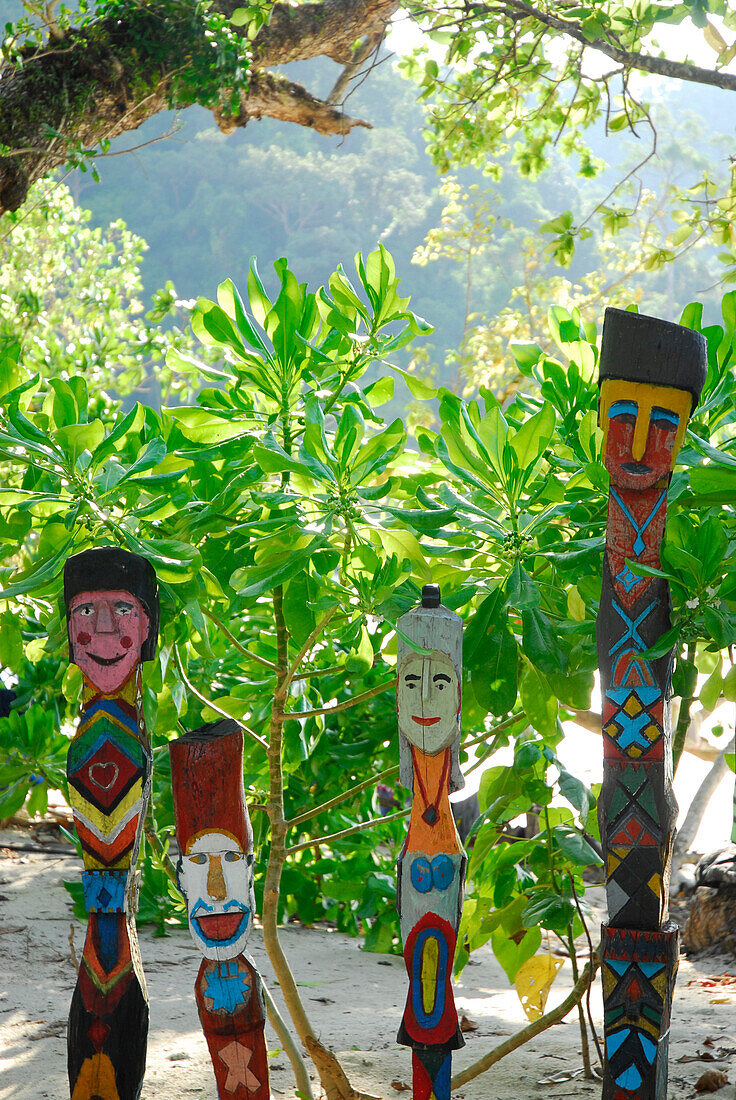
(650, 375)
(630, 717)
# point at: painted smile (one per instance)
(636, 468)
(425, 721)
(105, 661)
(221, 929)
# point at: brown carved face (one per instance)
(644, 426)
(107, 631)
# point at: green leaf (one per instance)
(550, 911)
(576, 793)
(521, 590)
(299, 615)
(540, 642)
(575, 847)
(495, 681)
(76, 438)
(256, 580)
(684, 678)
(512, 955)
(418, 387)
(229, 298)
(532, 439)
(11, 641)
(205, 426)
(39, 574)
(539, 702)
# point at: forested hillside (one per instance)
(205, 203)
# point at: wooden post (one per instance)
(216, 877)
(431, 867)
(651, 375)
(111, 600)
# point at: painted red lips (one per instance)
(424, 721)
(220, 926)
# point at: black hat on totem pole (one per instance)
(639, 348)
(110, 568)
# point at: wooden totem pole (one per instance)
(216, 877)
(651, 375)
(431, 867)
(112, 609)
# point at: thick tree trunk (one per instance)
(93, 84)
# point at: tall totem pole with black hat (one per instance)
(651, 376)
(112, 608)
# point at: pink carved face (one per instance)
(107, 631)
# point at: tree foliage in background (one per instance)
(290, 527)
(525, 80)
(70, 293)
(495, 237)
(516, 78)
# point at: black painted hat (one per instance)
(647, 349)
(109, 567)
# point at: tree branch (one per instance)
(346, 832)
(343, 797)
(342, 706)
(274, 96)
(515, 1041)
(109, 77)
(212, 705)
(659, 66)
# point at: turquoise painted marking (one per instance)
(227, 986)
(639, 544)
(630, 1079)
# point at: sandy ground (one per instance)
(354, 1000)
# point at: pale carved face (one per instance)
(216, 877)
(107, 631)
(428, 701)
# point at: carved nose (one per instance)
(641, 432)
(215, 879)
(103, 620)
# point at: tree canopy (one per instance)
(513, 73)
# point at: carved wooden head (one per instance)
(112, 609)
(214, 834)
(651, 376)
(428, 686)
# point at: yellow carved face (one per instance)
(643, 429)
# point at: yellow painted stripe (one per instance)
(102, 821)
(430, 967)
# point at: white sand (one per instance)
(354, 1000)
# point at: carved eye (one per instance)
(441, 687)
(233, 857)
(86, 610)
(623, 411)
(665, 419)
(199, 858)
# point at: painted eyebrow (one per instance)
(623, 408)
(658, 413)
(441, 676)
(412, 676)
